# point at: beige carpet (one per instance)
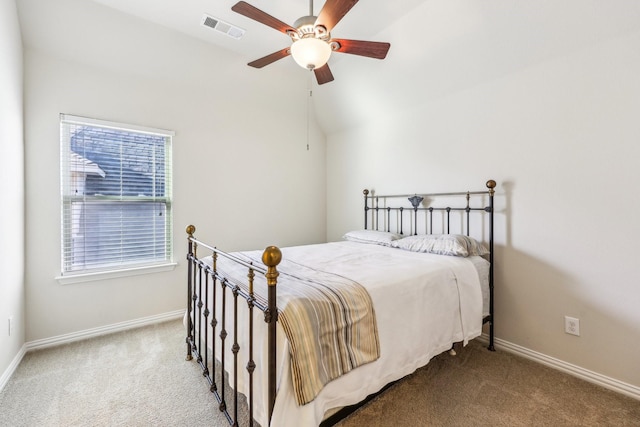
(140, 378)
(482, 388)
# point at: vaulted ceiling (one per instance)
(438, 47)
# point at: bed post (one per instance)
(491, 185)
(366, 206)
(271, 257)
(190, 230)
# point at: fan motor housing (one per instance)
(306, 27)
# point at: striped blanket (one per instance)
(328, 319)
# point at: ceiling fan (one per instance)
(311, 38)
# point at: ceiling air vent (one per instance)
(223, 27)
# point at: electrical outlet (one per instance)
(10, 325)
(572, 325)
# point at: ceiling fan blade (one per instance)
(377, 50)
(323, 74)
(244, 8)
(333, 11)
(259, 63)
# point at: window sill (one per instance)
(103, 275)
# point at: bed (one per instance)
(307, 332)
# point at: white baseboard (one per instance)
(4, 379)
(81, 335)
(103, 330)
(576, 371)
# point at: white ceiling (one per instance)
(363, 21)
(438, 47)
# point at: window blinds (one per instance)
(116, 195)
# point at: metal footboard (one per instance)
(207, 287)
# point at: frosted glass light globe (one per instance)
(310, 53)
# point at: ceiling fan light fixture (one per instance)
(310, 52)
(311, 39)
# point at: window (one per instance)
(116, 196)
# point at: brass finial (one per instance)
(271, 257)
(190, 230)
(491, 184)
(365, 192)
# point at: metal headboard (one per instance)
(397, 213)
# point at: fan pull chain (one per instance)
(310, 92)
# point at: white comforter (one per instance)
(423, 303)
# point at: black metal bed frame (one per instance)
(201, 275)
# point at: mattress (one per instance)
(423, 303)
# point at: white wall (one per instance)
(242, 173)
(561, 139)
(11, 187)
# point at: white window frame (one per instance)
(143, 267)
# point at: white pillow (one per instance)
(442, 244)
(372, 236)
